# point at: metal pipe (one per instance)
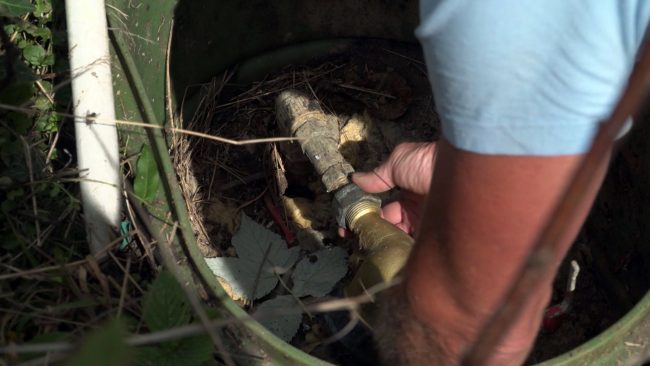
(386, 248)
(319, 136)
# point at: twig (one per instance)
(403, 56)
(125, 282)
(168, 82)
(53, 143)
(39, 316)
(48, 359)
(253, 200)
(288, 290)
(366, 90)
(349, 304)
(120, 12)
(541, 259)
(45, 93)
(354, 320)
(30, 169)
(99, 120)
(31, 272)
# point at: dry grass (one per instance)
(209, 172)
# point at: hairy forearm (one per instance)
(404, 339)
(482, 218)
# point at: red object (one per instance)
(277, 217)
(553, 317)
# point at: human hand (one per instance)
(409, 167)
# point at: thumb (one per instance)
(378, 180)
(409, 166)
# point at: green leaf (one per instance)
(281, 315)
(20, 122)
(17, 93)
(262, 255)
(22, 71)
(34, 54)
(316, 274)
(42, 7)
(48, 60)
(47, 122)
(15, 8)
(104, 347)
(42, 103)
(164, 304)
(10, 28)
(147, 180)
(192, 351)
(44, 33)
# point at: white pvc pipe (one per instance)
(92, 95)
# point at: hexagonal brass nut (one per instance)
(349, 196)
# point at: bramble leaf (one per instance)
(106, 342)
(192, 351)
(317, 273)
(15, 8)
(164, 305)
(281, 315)
(262, 255)
(35, 54)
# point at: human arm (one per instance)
(483, 214)
(516, 119)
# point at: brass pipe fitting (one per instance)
(387, 249)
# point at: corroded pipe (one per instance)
(319, 136)
(386, 247)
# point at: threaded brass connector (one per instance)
(387, 250)
(357, 210)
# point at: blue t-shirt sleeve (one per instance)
(528, 77)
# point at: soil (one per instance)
(381, 96)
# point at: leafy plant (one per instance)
(317, 273)
(262, 257)
(147, 180)
(281, 315)
(106, 342)
(14, 8)
(40, 219)
(165, 307)
(190, 351)
(262, 254)
(25, 67)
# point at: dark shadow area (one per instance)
(211, 36)
(612, 250)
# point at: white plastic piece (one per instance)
(97, 144)
(573, 277)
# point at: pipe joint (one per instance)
(351, 203)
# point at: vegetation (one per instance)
(52, 293)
